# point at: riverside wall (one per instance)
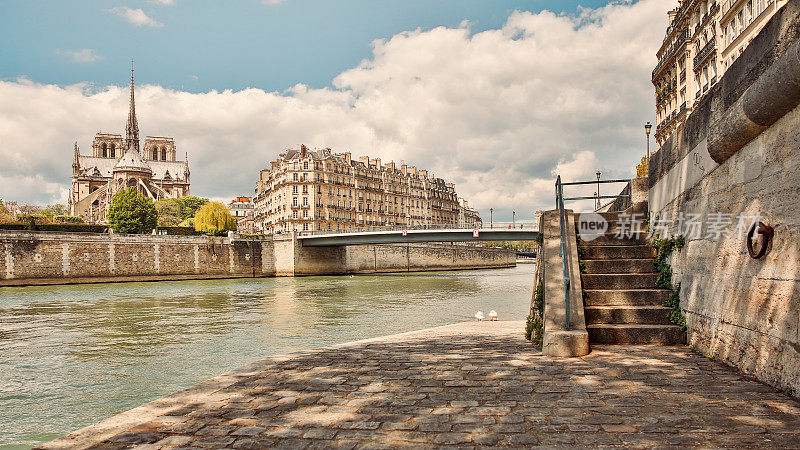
(29, 258)
(738, 156)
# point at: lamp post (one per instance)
(647, 128)
(491, 218)
(513, 219)
(598, 189)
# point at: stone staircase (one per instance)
(624, 306)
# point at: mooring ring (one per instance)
(766, 233)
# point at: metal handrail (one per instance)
(564, 254)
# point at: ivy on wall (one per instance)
(665, 248)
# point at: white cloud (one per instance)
(497, 112)
(163, 2)
(84, 55)
(135, 16)
(272, 2)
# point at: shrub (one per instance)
(68, 219)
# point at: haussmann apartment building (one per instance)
(703, 39)
(309, 190)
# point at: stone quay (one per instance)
(463, 385)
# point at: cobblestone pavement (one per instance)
(471, 384)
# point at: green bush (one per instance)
(68, 219)
(178, 231)
(57, 227)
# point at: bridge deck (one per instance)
(400, 236)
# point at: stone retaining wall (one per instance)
(59, 258)
(743, 311)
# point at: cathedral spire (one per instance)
(132, 128)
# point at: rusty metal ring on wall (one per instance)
(766, 233)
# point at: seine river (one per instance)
(73, 355)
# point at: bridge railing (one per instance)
(517, 225)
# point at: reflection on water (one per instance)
(73, 355)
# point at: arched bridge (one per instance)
(394, 236)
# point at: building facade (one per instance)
(241, 208)
(116, 164)
(306, 190)
(703, 39)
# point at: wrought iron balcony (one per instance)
(707, 51)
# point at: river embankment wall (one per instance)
(735, 161)
(31, 258)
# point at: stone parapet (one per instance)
(28, 258)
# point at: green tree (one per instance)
(57, 210)
(5, 214)
(189, 205)
(169, 212)
(131, 212)
(214, 218)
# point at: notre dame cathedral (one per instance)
(116, 165)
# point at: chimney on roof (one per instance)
(348, 157)
(391, 165)
(303, 150)
(364, 159)
(423, 173)
(404, 168)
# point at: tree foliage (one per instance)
(57, 210)
(189, 205)
(169, 212)
(5, 214)
(131, 212)
(214, 218)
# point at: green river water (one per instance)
(73, 355)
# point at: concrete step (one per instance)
(619, 265)
(652, 315)
(626, 297)
(635, 334)
(613, 239)
(619, 252)
(619, 280)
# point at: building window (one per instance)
(105, 151)
(305, 203)
(112, 151)
(305, 214)
(305, 165)
(294, 201)
(294, 214)
(294, 189)
(294, 177)
(163, 154)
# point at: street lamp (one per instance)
(598, 189)
(647, 128)
(491, 218)
(513, 219)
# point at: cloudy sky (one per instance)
(496, 96)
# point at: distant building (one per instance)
(116, 165)
(703, 40)
(242, 209)
(468, 217)
(320, 190)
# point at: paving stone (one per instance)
(427, 390)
